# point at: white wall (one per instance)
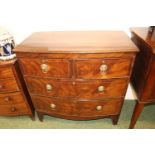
(22, 17)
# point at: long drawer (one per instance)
(82, 89)
(102, 68)
(87, 108)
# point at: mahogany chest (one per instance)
(77, 75)
(14, 97)
(143, 76)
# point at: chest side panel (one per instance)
(149, 89)
(141, 66)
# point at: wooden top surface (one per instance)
(77, 42)
(142, 32)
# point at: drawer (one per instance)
(102, 68)
(13, 104)
(77, 108)
(98, 108)
(18, 109)
(58, 68)
(50, 87)
(81, 89)
(98, 89)
(6, 72)
(50, 105)
(8, 85)
(11, 99)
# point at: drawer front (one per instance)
(13, 104)
(18, 109)
(77, 108)
(98, 89)
(102, 68)
(49, 87)
(98, 108)
(58, 68)
(50, 105)
(6, 72)
(8, 85)
(11, 99)
(81, 89)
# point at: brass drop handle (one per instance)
(13, 109)
(103, 68)
(99, 107)
(44, 68)
(101, 88)
(49, 87)
(7, 99)
(52, 105)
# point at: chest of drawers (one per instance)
(14, 98)
(77, 75)
(143, 76)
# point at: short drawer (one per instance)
(8, 85)
(6, 72)
(102, 68)
(82, 89)
(77, 108)
(58, 68)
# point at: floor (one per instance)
(146, 120)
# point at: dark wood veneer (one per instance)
(75, 85)
(14, 98)
(58, 68)
(78, 88)
(143, 76)
(90, 69)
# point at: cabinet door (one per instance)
(149, 88)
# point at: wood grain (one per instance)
(90, 69)
(11, 98)
(76, 108)
(143, 76)
(14, 110)
(81, 89)
(8, 85)
(74, 60)
(77, 42)
(6, 72)
(56, 67)
(148, 93)
(14, 100)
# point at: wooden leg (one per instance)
(137, 111)
(115, 119)
(40, 116)
(32, 117)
